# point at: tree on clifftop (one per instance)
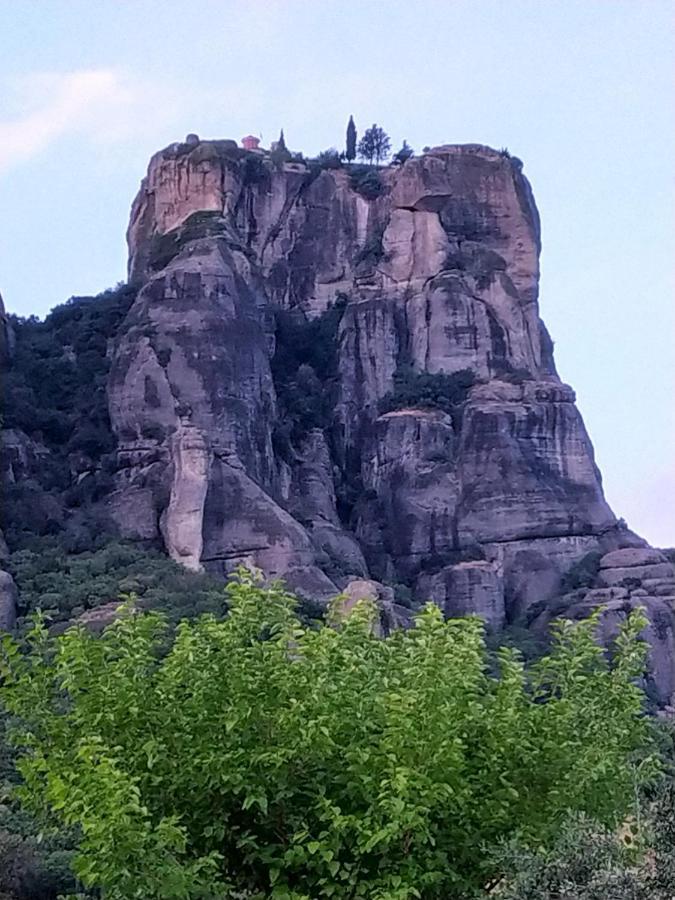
(351, 140)
(374, 145)
(404, 153)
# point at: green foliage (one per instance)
(34, 862)
(374, 145)
(587, 862)
(65, 585)
(350, 146)
(590, 862)
(201, 224)
(280, 761)
(372, 251)
(55, 388)
(366, 181)
(404, 154)
(427, 390)
(31, 869)
(255, 170)
(281, 154)
(329, 159)
(506, 371)
(55, 392)
(528, 643)
(583, 573)
(304, 368)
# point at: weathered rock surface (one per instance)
(468, 588)
(485, 505)
(8, 601)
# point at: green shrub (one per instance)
(366, 181)
(261, 756)
(255, 170)
(427, 390)
(372, 251)
(506, 371)
(201, 224)
(49, 578)
(583, 573)
(329, 159)
(304, 369)
(56, 385)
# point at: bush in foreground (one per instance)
(262, 756)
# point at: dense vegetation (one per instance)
(589, 862)
(258, 755)
(55, 388)
(304, 368)
(54, 392)
(66, 585)
(427, 390)
(366, 181)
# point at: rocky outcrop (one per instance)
(635, 577)
(234, 447)
(8, 601)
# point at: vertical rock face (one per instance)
(349, 462)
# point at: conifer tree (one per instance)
(351, 140)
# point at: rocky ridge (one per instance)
(485, 505)
(351, 388)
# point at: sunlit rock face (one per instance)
(483, 504)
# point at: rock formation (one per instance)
(483, 505)
(340, 376)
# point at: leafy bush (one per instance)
(427, 390)
(258, 755)
(165, 247)
(329, 159)
(583, 573)
(506, 371)
(366, 181)
(372, 251)
(587, 862)
(57, 582)
(255, 170)
(404, 154)
(304, 369)
(56, 386)
(590, 862)
(29, 870)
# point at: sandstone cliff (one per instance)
(484, 503)
(337, 375)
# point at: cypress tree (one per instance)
(351, 140)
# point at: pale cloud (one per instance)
(98, 105)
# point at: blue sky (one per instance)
(581, 90)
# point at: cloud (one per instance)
(99, 105)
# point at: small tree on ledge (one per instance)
(403, 154)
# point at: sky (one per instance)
(581, 90)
